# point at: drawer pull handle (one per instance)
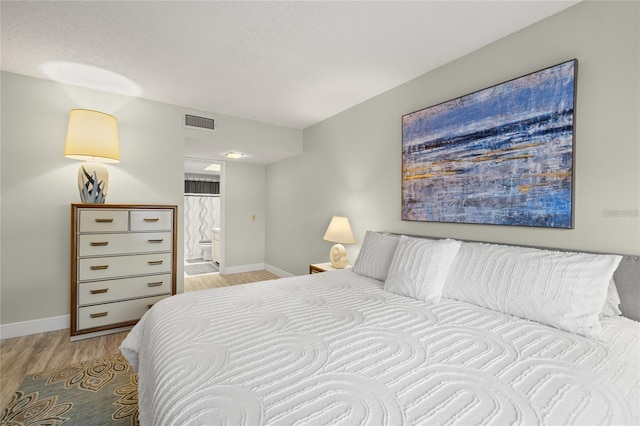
(156, 284)
(149, 306)
(98, 243)
(155, 241)
(98, 220)
(98, 267)
(99, 314)
(99, 291)
(151, 219)
(155, 262)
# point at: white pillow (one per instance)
(563, 289)
(611, 305)
(419, 268)
(375, 255)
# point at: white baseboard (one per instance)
(256, 267)
(278, 272)
(243, 268)
(24, 328)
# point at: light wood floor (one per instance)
(203, 282)
(32, 354)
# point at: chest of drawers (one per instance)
(123, 260)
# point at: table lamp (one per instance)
(339, 231)
(92, 136)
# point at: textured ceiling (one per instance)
(292, 63)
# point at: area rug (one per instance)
(200, 268)
(103, 391)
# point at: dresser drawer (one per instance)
(103, 220)
(114, 313)
(122, 261)
(151, 220)
(90, 293)
(107, 244)
(97, 268)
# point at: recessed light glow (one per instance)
(212, 168)
(234, 155)
(90, 77)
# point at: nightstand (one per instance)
(315, 268)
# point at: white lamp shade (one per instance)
(339, 231)
(92, 136)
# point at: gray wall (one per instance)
(244, 189)
(351, 163)
(38, 184)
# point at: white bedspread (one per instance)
(335, 348)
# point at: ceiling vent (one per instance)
(196, 122)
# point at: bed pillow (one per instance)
(611, 306)
(375, 255)
(419, 268)
(566, 290)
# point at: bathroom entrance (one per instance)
(202, 224)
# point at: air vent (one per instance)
(195, 121)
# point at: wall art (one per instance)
(502, 155)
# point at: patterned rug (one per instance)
(98, 392)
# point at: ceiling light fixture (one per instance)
(212, 167)
(234, 155)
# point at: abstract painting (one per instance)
(502, 155)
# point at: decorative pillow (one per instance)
(375, 255)
(566, 290)
(419, 268)
(611, 305)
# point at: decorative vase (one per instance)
(93, 182)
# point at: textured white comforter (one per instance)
(335, 348)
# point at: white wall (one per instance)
(38, 184)
(244, 239)
(351, 163)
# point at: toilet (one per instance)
(205, 246)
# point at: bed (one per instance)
(374, 345)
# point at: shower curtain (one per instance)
(201, 214)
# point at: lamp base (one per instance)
(338, 256)
(93, 182)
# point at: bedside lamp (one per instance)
(339, 231)
(92, 136)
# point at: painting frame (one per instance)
(502, 155)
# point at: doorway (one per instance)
(203, 216)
